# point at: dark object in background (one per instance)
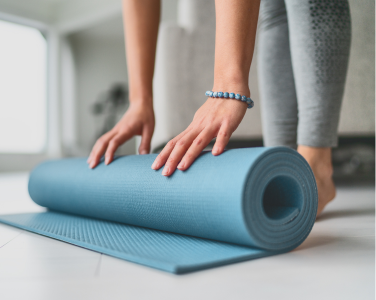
(110, 105)
(354, 160)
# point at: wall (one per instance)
(100, 62)
(358, 108)
(99, 55)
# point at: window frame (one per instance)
(14, 162)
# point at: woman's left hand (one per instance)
(215, 118)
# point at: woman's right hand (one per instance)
(138, 120)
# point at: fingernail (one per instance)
(166, 171)
(215, 151)
(143, 152)
(155, 165)
(181, 165)
(91, 165)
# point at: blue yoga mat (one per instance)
(243, 204)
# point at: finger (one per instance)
(223, 137)
(199, 144)
(181, 147)
(147, 134)
(103, 139)
(99, 149)
(162, 157)
(114, 143)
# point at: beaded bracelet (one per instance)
(226, 95)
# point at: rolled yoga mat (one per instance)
(243, 204)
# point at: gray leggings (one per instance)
(303, 55)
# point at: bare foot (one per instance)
(320, 160)
(326, 190)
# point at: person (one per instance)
(303, 56)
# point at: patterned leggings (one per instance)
(303, 56)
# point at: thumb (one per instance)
(147, 134)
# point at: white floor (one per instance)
(337, 261)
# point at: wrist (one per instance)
(232, 84)
(145, 102)
(140, 93)
(142, 98)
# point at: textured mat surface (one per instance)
(243, 204)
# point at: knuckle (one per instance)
(170, 144)
(113, 143)
(188, 156)
(99, 143)
(163, 155)
(102, 139)
(95, 152)
(223, 134)
(202, 122)
(171, 160)
(181, 143)
(198, 141)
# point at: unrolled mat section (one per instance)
(243, 204)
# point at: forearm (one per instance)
(236, 24)
(218, 118)
(141, 21)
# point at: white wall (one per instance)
(358, 108)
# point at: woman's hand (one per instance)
(236, 23)
(216, 118)
(138, 120)
(141, 22)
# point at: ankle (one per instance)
(319, 159)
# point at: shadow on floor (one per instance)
(341, 213)
(316, 241)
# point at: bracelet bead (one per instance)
(250, 103)
(226, 95)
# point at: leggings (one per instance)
(303, 55)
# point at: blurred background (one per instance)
(63, 81)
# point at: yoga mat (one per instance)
(243, 204)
